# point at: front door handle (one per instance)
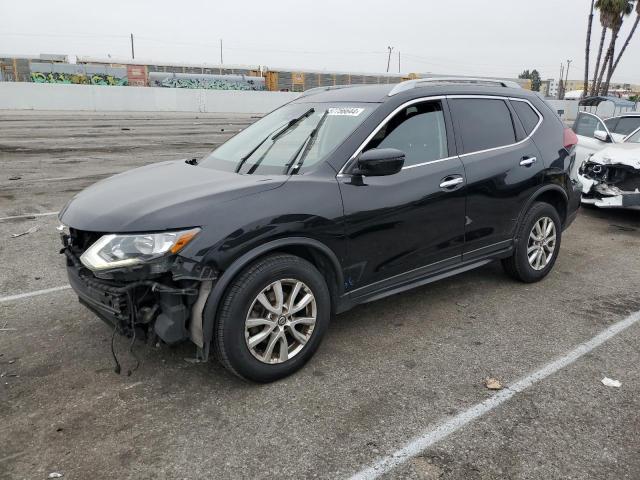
(528, 161)
(451, 182)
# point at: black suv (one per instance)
(343, 196)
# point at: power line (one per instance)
(62, 35)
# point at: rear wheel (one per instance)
(272, 318)
(537, 244)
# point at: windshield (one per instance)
(634, 138)
(289, 140)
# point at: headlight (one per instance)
(112, 251)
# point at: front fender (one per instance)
(213, 301)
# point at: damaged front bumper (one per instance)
(165, 303)
(613, 185)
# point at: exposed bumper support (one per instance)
(610, 185)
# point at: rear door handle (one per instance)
(528, 161)
(451, 182)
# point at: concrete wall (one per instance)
(570, 108)
(98, 98)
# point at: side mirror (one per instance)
(379, 162)
(602, 136)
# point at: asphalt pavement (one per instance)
(388, 374)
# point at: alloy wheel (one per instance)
(542, 243)
(280, 321)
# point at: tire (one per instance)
(518, 265)
(241, 304)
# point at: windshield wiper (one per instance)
(293, 122)
(306, 147)
(277, 133)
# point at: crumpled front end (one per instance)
(610, 184)
(161, 299)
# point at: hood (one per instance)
(160, 196)
(619, 154)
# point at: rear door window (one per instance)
(526, 114)
(483, 123)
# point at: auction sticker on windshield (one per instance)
(346, 111)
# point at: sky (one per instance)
(462, 37)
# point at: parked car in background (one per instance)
(341, 197)
(595, 133)
(610, 177)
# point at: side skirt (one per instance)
(403, 283)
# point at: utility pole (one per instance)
(389, 58)
(567, 77)
(221, 62)
(398, 61)
(133, 54)
(560, 82)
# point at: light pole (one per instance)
(389, 58)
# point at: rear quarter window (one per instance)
(483, 123)
(526, 114)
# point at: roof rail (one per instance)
(409, 84)
(313, 91)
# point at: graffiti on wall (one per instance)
(77, 74)
(206, 81)
(96, 79)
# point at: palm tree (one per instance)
(604, 7)
(587, 51)
(624, 47)
(616, 14)
(609, 13)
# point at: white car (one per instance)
(594, 133)
(608, 163)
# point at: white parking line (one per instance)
(442, 430)
(20, 296)
(29, 215)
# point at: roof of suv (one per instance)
(380, 93)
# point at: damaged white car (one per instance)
(611, 177)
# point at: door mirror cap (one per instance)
(602, 136)
(379, 162)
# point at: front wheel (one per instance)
(272, 318)
(537, 244)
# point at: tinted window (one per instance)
(483, 123)
(587, 124)
(526, 114)
(627, 125)
(419, 131)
